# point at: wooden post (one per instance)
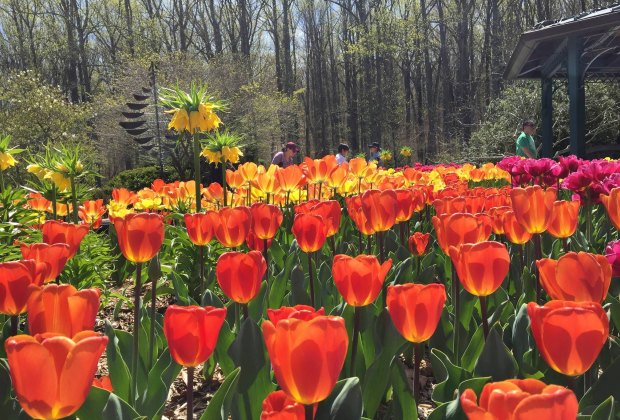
(576, 94)
(547, 117)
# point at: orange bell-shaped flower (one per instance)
(279, 406)
(91, 212)
(359, 280)
(140, 235)
(52, 374)
(240, 275)
(520, 399)
(481, 267)
(380, 209)
(564, 217)
(62, 309)
(569, 335)
(57, 232)
(533, 207)
(307, 352)
(514, 231)
(330, 212)
(16, 279)
(460, 228)
(415, 309)
(310, 232)
(266, 220)
(578, 277)
(50, 258)
(200, 227)
(612, 205)
(232, 226)
(192, 332)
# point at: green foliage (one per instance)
(136, 179)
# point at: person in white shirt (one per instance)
(343, 151)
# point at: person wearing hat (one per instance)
(375, 148)
(285, 157)
(343, 151)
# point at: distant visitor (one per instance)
(525, 141)
(343, 151)
(374, 154)
(285, 157)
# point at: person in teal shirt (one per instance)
(525, 142)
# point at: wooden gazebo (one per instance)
(580, 48)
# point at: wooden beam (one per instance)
(576, 95)
(547, 117)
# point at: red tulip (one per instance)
(57, 232)
(533, 207)
(307, 352)
(200, 227)
(481, 267)
(359, 280)
(310, 232)
(564, 217)
(278, 406)
(62, 309)
(233, 225)
(459, 228)
(52, 375)
(612, 205)
(91, 212)
(415, 309)
(256, 244)
(354, 208)
(569, 335)
(407, 205)
(140, 235)
(520, 399)
(380, 209)
(192, 331)
(266, 220)
(16, 277)
(298, 311)
(418, 243)
(240, 275)
(497, 215)
(50, 258)
(330, 212)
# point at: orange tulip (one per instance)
(380, 209)
(578, 277)
(200, 227)
(307, 352)
(267, 181)
(16, 277)
(338, 176)
(564, 217)
(62, 309)
(520, 399)
(330, 212)
(140, 235)
(481, 267)
(57, 232)
(359, 280)
(514, 231)
(459, 228)
(310, 232)
(38, 203)
(104, 383)
(418, 243)
(234, 179)
(248, 171)
(52, 375)
(240, 275)
(533, 207)
(497, 215)
(91, 212)
(289, 178)
(50, 258)
(256, 244)
(612, 205)
(415, 309)
(192, 332)
(569, 335)
(266, 220)
(358, 166)
(232, 226)
(354, 208)
(316, 170)
(298, 311)
(406, 205)
(124, 197)
(278, 406)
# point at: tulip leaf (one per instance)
(219, 406)
(448, 376)
(224, 341)
(100, 404)
(254, 380)
(387, 344)
(118, 361)
(496, 360)
(255, 306)
(452, 410)
(472, 353)
(605, 410)
(614, 310)
(211, 299)
(404, 405)
(520, 335)
(343, 403)
(9, 407)
(606, 386)
(299, 294)
(442, 339)
(160, 378)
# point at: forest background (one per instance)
(420, 73)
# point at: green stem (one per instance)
(74, 199)
(153, 318)
(54, 200)
(538, 256)
(356, 333)
(309, 409)
(417, 359)
(201, 270)
(1, 180)
(14, 324)
(197, 176)
(483, 314)
(190, 393)
(246, 313)
(311, 279)
(457, 310)
(136, 334)
(223, 164)
(237, 317)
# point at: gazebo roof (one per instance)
(541, 52)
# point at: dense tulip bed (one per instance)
(314, 288)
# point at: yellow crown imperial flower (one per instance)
(231, 154)
(62, 182)
(179, 121)
(6, 161)
(212, 157)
